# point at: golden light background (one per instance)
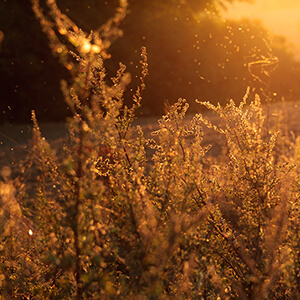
(281, 17)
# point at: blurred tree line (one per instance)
(193, 54)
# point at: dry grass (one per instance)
(99, 221)
(15, 138)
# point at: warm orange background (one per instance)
(281, 17)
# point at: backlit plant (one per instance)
(115, 215)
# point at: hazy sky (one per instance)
(279, 16)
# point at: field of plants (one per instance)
(114, 206)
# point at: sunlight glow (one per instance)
(86, 47)
(281, 17)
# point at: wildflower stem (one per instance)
(76, 212)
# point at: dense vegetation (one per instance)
(113, 215)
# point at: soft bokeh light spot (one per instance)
(95, 49)
(86, 47)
